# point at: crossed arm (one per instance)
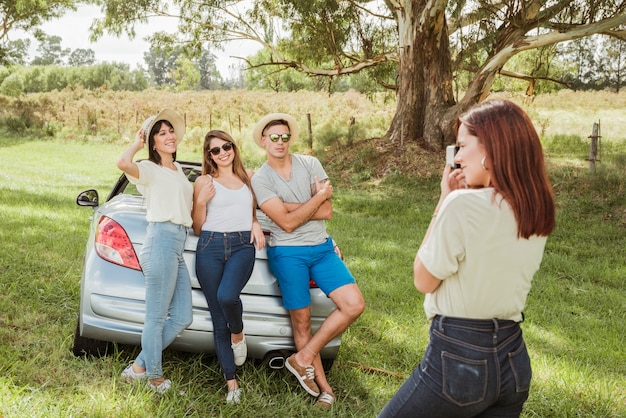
(289, 215)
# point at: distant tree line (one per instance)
(56, 68)
(592, 63)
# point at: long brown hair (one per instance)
(517, 168)
(208, 165)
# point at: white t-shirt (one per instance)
(268, 184)
(473, 247)
(168, 193)
(229, 210)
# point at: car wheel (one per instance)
(87, 346)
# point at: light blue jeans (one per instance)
(168, 293)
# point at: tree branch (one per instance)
(530, 78)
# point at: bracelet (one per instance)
(435, 213)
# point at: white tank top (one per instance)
(229, 210)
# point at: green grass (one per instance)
(575, 313)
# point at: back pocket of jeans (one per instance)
(464, 380)
(520, 366)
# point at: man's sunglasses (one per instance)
(226, 147)
(276, 137)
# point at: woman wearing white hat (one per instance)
(168, 196)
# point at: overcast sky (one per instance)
(73, 28)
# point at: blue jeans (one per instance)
(471, 368)
(224, 263)
(168, 292)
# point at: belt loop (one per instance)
(441, 318)
(495, 331)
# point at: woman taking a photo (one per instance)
(475, 265)
(224, 216)
(168, 195)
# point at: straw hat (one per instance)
(257, 132)
(169, 115)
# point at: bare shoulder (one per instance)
(201, 180)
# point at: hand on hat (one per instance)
(140, 140)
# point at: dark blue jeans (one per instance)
(471, 368)
(224, 263)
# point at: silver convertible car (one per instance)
(112, 287)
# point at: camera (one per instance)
(451, 151)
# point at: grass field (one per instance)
(575, 314)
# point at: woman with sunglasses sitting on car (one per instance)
(224, 217)
(168, 194)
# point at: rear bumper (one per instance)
(121, 320)
(112, 309)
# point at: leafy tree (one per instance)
(136, 81)
(431, 43)
(34, 80)
(26, 15)
(210, 78)
(12, 85)
(4, 73)
(260, 76)
(612, 63)
(114, 76)
(80, 56)
(161, 62)
(17, 51)
(185, 75)
(55, 78)
(50, 51)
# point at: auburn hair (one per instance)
(518, 171)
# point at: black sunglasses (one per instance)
(276, 137)
(226, 147)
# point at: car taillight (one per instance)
(112, 244)
(312, 284)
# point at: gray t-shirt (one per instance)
(268, 184)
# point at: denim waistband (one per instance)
(213, 234)
(487, 325)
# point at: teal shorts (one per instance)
(295, 266)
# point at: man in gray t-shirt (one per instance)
(294, 192)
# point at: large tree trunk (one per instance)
(425, 94)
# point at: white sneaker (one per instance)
(234, 396)
(161, 387)
(130, 374)
(240, 351)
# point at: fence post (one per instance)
(593, 147)
(308, 119)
